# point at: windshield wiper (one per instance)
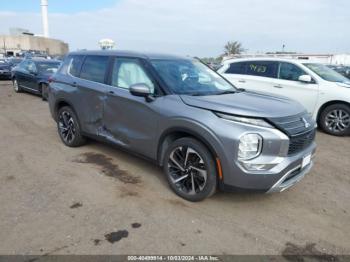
(227, 92)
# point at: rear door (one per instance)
(89, 90)
(131, 121)
(288, 85)
(253, 75)
(261, 76)
(235, 73)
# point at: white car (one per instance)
(322, 91)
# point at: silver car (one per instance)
(204, 132)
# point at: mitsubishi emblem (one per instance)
(306, 123)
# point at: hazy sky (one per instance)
(190, 27)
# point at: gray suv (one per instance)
(176, 111)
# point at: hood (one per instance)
(251, 104)
(345, 84)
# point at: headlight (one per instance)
(245, 120)
(250, 146)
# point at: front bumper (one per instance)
(5, 74)
(281, 177)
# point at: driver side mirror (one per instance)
(305, 79)
(141, 90)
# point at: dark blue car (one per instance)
(5, 69)
(32, 75)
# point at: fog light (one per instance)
(250, 146)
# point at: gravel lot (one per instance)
(59, 200)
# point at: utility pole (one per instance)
(4, 46)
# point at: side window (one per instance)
(94, 68)
(72, 65)
(129, 71)
(237, 68)
(31, 67)
(262, 68)
(290, 71)
(23, 65)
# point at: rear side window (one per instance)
(94, 68)
(262, 68)
(74, 64)
(290, 71)
(237, 68)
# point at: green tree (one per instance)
(233, 48)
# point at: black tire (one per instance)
(44, 92)
(335, 120)
(16, 86)
(200, 158)
(68, 127)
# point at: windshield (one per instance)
(48, 67)
(326, 73)
(191, 77)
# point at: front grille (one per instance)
(300, 142)
(299, 128)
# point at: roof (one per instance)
(145, 55)
(266, 59)
(40, 59)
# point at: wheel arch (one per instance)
(61, 103)
(329, 103)
(172, 134)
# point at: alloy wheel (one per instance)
(187, 170)
(66, 127)
(337, 120)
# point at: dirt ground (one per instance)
(97, 199)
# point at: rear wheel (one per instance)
(44, 92)
(190, 169)
(335, 120)
(16, 87)
(69, 128)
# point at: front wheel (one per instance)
(335, 120)
(69, 128)
(190, 169)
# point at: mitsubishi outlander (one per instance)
(176, 111)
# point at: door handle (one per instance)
(241, 81)
(111, 92)
(74, 84)
(278, 86)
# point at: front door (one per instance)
(288, 85)
(130, 121)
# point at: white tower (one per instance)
(45, 18)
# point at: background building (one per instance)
(12, 45)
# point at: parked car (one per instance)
(5, 69)
(32, 75)
(322, 91)
(182, 115)
(14, 61)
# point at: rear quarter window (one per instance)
(72, 65)
(237, 68)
